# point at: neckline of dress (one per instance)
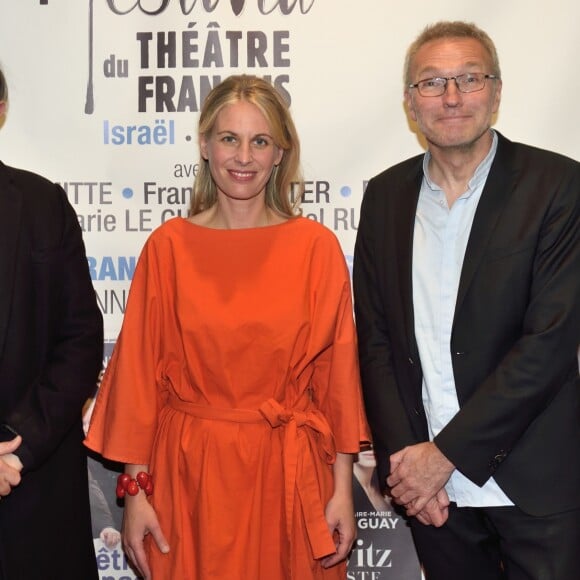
(249, 229)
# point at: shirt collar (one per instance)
(478, 177)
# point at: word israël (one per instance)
(264, 6)
(157, 133)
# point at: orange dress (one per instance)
(235, 379)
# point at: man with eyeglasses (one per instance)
(466, 281)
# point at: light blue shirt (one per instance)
(439, 242)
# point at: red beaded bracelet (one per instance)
(126, 484)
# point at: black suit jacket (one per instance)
(50, 355)
(515, 332)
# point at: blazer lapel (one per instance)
(10, 218)
(493, 199)
(406, 209)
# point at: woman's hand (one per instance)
(340, 511)
(140, 519)
(340, 519)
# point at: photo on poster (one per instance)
(384, 547)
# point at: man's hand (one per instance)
(10, 465)
(436, 512)
(110, 537)
(418, 473)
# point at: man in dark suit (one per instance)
(50, 355)
(466, 281)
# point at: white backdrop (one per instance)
(340, 61)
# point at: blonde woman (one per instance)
(234, 382)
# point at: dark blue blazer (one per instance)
(515, 332)
(51, 338)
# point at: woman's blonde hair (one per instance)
(285, 187)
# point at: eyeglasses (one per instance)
(466, 83)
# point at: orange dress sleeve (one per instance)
(336, 376)
(124, 420)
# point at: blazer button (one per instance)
(411, 361)
(499, 457)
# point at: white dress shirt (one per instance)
(439, 242)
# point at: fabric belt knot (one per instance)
(304, 430)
